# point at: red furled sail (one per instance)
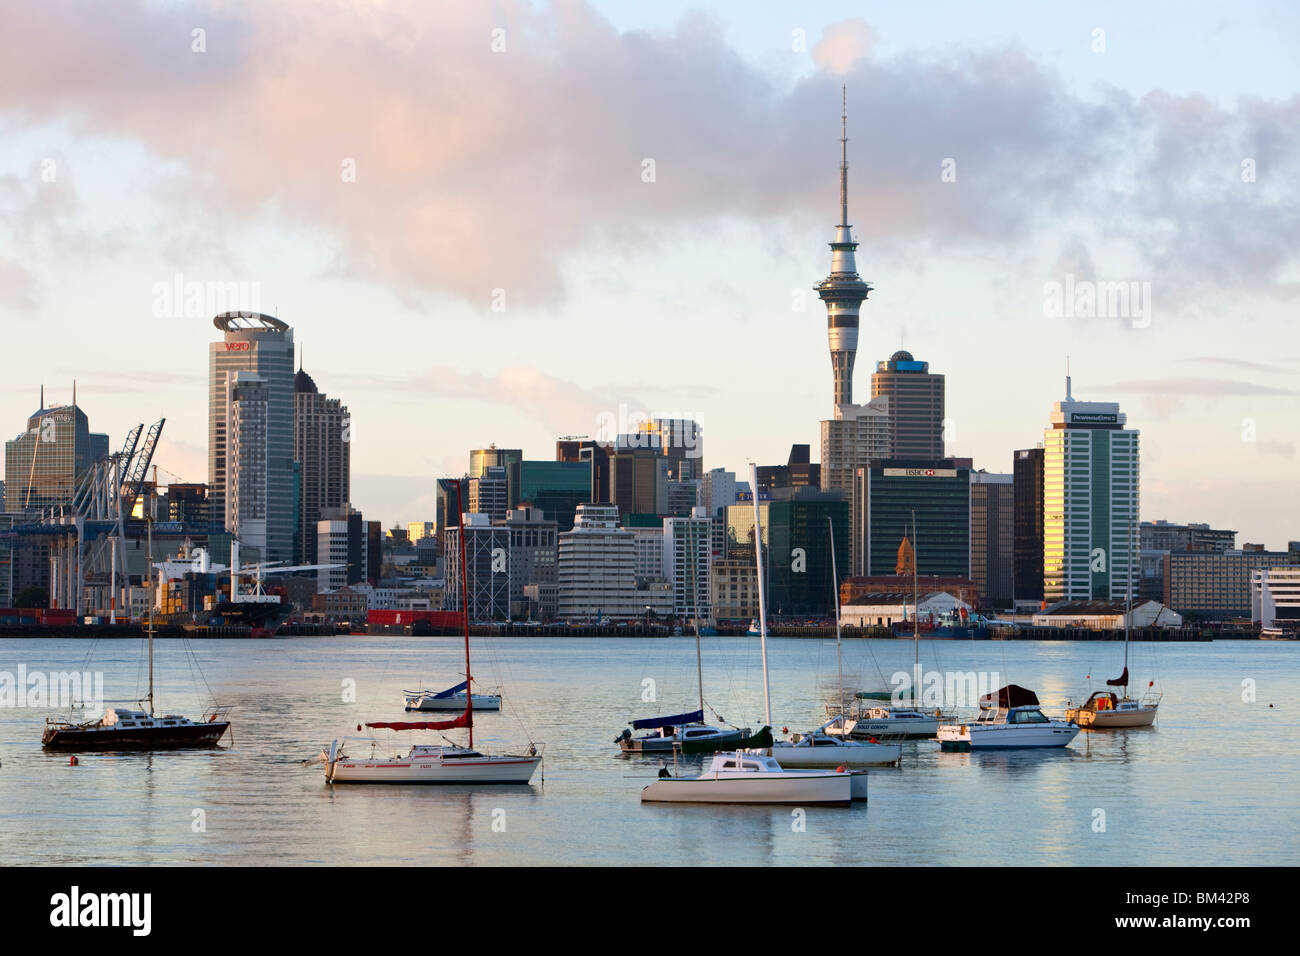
(1120, 681)
(464, 720)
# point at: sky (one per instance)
(506, 222)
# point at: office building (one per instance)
(487, 568)
(992, 553)
(1027, 481)
(341, 539)
(596, 454)
(1168, 536)
(1215, 585)
(509, 459)
(597, 568)
(717, 490)
(260, 347)
(928, 502)
(1275, 599)
(915, 401)
(843, 290)
(556, 488)
(187, 504)
(638, 476)
(1090, 503)
(734, 589)
(46, 462)
(687, 554)
(534, 560)
(450, 495)
(489, 493)
(798, 564)
(799, 471)
(323, 448)
(248, 488)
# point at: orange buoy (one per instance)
(841, 768)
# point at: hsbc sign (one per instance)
(920, 472)
(236, 346)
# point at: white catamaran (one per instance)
(433, 763)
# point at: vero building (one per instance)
(1090, 503)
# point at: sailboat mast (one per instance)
(464, 603)
(695, 603)
(1128, 602)
(762, 593)
(916, 619)
(835, 588)
(149, 550)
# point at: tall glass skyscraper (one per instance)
(1090, 503)
(261, 346)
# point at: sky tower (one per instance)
(843, 290)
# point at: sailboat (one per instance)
(678, 728)
(121, 729)
(433, 763)
(453, 698)
(822, 749)
(753, 776)
(898, 720)
(1104, 709)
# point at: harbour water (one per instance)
(1213, 783)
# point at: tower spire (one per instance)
(844, 155)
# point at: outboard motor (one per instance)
(625, 735)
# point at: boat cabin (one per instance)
(135, 719)
(743, 762)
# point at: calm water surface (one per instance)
(1215, 782)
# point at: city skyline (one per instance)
(703, 287)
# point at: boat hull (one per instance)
(913, 727)
(829, 789)
(965, 737)
(664, 745)
(141, 738)
(1112, 719)
(847, 755)
(455, 704)
(435, 770)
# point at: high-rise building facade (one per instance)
(854, 438)
(895, 496)
(992, 526)
(556, 487)
(594, 452)
(534, 557)
(487, 568)
(261, 346)
(1027, 485)
(489, 493)
(915, 406)
(798, 556)
(341, 540)
(323, 448)
(45, 463)
(687, 554)
(1090, 503)
(843, 290)
(638, 477)
(481, 459)
(597, 568)
(247, 486)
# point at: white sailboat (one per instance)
(433, 764)
(823, 749)
(452, 699)
(668, 731)
(755, 777)
(1106, 710)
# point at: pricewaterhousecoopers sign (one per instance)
(1094, 418)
